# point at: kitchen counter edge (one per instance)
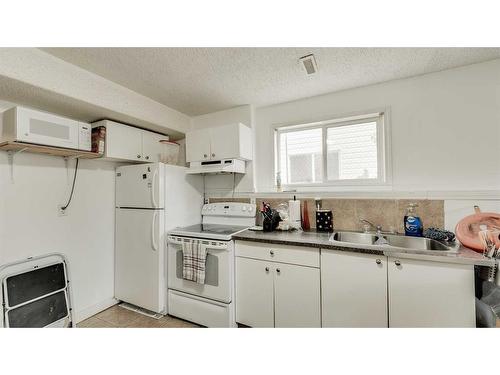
(321, 240)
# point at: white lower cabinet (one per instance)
(282, 286)
(353, 289)
(254, 293)
(296, 296)
(274, 294)
(430, 294)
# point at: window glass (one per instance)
(301, 157)
(352, 152)
(349, 148)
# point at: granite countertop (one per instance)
(321, 240)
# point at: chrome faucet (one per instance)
(381, 240)
(368, 224)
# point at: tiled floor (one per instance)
(118, 317)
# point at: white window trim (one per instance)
(384, 165)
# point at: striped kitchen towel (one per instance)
(194, 256)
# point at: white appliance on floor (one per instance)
(210, 304)
(150, 200)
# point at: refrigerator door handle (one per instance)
(154, 245)
(153, 185)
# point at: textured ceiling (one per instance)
(196, 81)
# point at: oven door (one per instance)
(218, 270)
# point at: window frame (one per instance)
(383, 149)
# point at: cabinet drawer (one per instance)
(301, 255)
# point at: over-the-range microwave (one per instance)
(27, 125)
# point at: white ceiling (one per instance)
(196, 81)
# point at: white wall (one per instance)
(30, 225)
(445, 127)
(221, 185)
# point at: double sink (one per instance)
(393, 242)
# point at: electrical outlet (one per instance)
(61, 211)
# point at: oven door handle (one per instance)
(209, 244)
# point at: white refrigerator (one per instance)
(151, 199)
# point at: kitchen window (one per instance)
(348, 151)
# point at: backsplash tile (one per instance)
(388, 213)
(431, 212)
(381, 212)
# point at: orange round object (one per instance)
(468, 228)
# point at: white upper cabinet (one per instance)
(232, 141)
(151, 146)
(430, 294)
(198, 145)
(125, 142)
(122, 142)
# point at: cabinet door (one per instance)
(353, 289)
(254, 293)
(123, 142)
(430, 294)
(225, 142)
(151, 146)
(296, 296)
(198, 145)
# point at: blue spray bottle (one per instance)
(412, 222)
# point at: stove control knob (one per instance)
(243, 208)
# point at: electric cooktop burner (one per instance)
(212, 231)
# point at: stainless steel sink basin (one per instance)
(389, 241)
(417, 243)
(355, 237)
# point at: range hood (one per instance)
(217, 166)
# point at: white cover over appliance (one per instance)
(210, 304)
(224, 166)
(150, 200)
(27, 125)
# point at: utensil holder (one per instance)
(324, 221)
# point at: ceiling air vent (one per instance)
(309, 64)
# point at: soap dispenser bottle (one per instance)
(412, 222)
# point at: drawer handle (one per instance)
(267, 269)
(397, 263)
(378, 261)
(278, 270)
(271, 252)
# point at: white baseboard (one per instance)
(94, 309)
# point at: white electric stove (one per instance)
(210, 304)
